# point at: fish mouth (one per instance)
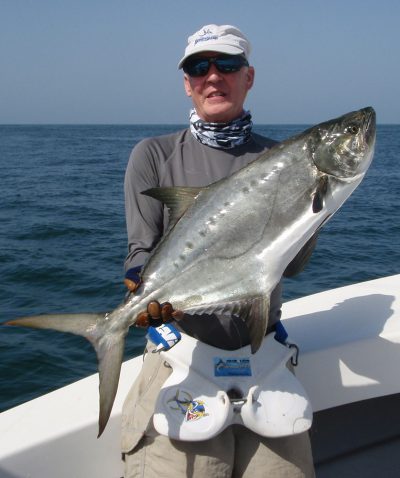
(370, 125)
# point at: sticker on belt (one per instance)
(193, 409)
(227, 367)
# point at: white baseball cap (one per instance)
(220, 38)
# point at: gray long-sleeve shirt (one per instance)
(173, 160)
(179, 159)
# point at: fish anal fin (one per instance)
(257, 321)
(177, 199)
(253, 311)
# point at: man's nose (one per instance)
(213, 74)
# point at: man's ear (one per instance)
(250, 77)
(186, 83)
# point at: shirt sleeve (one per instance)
(144, 215)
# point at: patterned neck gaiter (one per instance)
(221, 135)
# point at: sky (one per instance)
(115, 61)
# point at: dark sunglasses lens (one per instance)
(229, 65)
(197, 67)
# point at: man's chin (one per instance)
(220, 114)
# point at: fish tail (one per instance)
(109, 349)
(78, 324)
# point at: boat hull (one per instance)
(349, 341)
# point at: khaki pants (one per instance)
(235, 452)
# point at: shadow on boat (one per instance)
(353, 343)
(355, 351)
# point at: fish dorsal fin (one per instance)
(177, 199)
(319, 195)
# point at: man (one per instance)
(217, 77)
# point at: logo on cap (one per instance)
(206, 31)
(211, 37)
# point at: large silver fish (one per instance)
(229, 243)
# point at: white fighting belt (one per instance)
(210, 389)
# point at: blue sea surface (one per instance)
(63, 240)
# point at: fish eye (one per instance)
(352, 129)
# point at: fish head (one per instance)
(344, 147)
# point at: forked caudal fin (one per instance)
(109, 349)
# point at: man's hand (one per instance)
(157, 314)
(132, 278)
(131, 285)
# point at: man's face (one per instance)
(219, 97)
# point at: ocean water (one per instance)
(63, 240)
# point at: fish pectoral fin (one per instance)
(319, 195)
(109, 349)
(177, 199)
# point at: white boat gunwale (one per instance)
(349, 340)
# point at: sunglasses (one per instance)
(200, 65)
